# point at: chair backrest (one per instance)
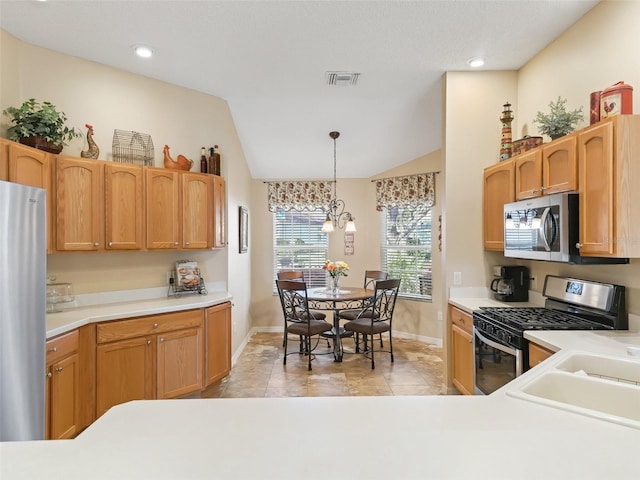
(293, 298)
(291, 275)
(370, 277)
(384, 299)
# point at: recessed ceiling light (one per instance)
(144, 52)
(475, 62)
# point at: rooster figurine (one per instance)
(183, 162)
(93, 151)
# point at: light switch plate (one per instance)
(457, 278)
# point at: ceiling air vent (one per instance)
(342, 78)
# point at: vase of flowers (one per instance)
(335, 271)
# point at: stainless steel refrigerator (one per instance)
(22, 311)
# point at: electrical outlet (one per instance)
(457, 278)
(439, 316)
(533, 285)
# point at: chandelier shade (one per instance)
(337, 217)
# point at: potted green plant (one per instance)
(40, 125)
(559, 122)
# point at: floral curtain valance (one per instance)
(406, 191)
(298, 195)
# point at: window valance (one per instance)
(406, 191)
(298, 195)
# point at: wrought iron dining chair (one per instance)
(381, 307)
(298, 320)
(370, 278)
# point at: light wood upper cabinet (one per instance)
(218, 342)
(197, 210)
(552, 168)
(498, 190)
(4, 159)
(124, 206)
(219, 213)
(79, 202)
(609, 173)
(28, 166)
(163, 209)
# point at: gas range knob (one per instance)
(500, 334)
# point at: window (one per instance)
(406, 249)
(298, 244)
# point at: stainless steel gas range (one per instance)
(501, 351)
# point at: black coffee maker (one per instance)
(512, 283)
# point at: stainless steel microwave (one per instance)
(546, 228)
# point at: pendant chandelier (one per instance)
(336, 216)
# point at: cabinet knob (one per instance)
(542, 189)
(111, 244)
(59, 369)
(176, 243)
(161, 339)
(578, 245)
(53, 350)
(148, 342)
(155, 325)
(96, 244)
(187, 243)
(48, 375)
(534, 191)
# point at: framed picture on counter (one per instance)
(244, 229)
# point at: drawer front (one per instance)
(462, 319)
(141, 326)
(60, 347)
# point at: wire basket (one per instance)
(132, 147)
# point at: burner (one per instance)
(537, 318)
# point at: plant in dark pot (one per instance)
(559, 122)
(40, 125)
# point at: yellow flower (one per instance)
(336, 269)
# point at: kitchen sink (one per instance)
(622, 337)
(599, 386)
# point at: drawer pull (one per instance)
(53, 350)
(59, 369)
(155, 325)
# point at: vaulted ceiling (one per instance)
(269, 60)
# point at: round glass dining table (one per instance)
(346, 298)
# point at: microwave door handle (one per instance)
(543, 224)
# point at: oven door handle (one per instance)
(491, 343)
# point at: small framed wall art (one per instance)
(244, 229)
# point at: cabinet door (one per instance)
(124, 371)
(29, 166)
(163, 209)
(596, 188)
(498, 190)
(538, 354)
(197, 192)
(79, 204)
(218, 338)
(462, 360)
(219, 213)
(560, 165)
(4, 159)
(64, 398)
(124, 207)
(180, 362)
(529, 174)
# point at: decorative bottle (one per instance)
(214, 161)
(203, 160)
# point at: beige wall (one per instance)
(184, 119)
(589, 56)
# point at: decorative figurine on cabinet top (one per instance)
(183, 163)
(506, 139)
(93, 151)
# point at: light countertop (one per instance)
(452, 437)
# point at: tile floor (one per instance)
(259, 372)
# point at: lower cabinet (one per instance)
(159, 356)
(218, 335)
(62, 389)
(462, 350)
(538, 354)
